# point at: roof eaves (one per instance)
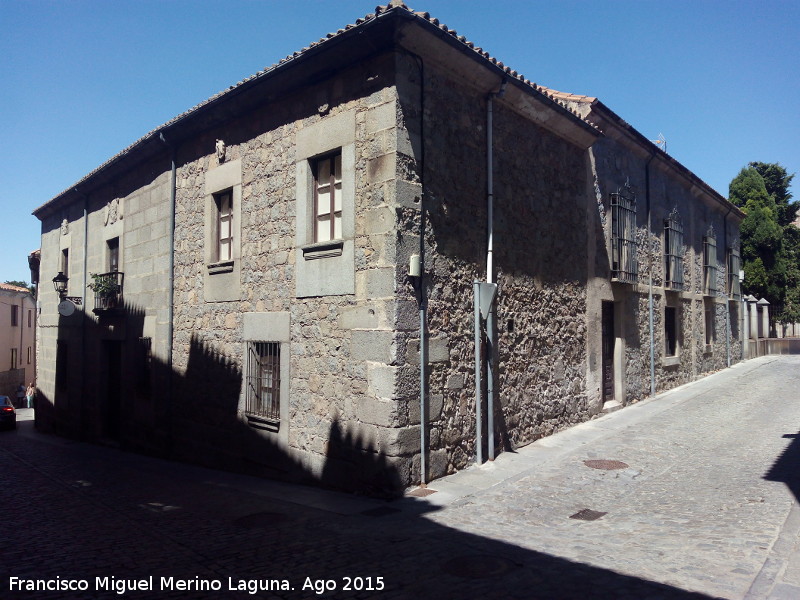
(610, 115)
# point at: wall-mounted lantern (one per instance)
(60, 284)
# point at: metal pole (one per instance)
(478, 416)
(423, 409)
(650, 281)
(490, 331)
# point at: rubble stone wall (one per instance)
(540, 261)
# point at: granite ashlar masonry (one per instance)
(243, 339)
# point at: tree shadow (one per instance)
(786, 468)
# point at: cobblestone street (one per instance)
(703, 504)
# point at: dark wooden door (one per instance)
(113, 354)
(608, 351)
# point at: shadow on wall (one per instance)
(199, 423)
(111, 389)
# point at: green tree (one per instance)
(777, 182)
(770, 243)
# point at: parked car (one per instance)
(8, 414)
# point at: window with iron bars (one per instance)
(710, 264)
(624, 266)
(263, 380)
(734, 264)
(673, 252)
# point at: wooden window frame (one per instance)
(112, 247)
(331, 184)
(222, 216)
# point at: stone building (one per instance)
(17, 339)
(281, 280)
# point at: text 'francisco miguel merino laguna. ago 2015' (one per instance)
(232, 584)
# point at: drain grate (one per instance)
(262, 519)
(381, 511)
(477, 567)
(587, 514)
(605, 465)
(421, 492)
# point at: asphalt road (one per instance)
(695, 497)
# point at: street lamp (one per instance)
(60, 284)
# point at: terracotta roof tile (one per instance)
(13, 288)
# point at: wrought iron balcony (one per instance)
(107, 288)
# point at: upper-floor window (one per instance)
(734, 264)
(65, 264)
(328, 198)
(224, 225)
(30, 317)
(113, 254)
(710, 263)
(14, 315)
(673, 252)
(624, 266)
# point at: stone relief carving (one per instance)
(64, 227)
(113, 211)
(221, 151)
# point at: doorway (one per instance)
(608, 351)
(113, 354)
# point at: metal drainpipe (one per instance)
(171, 277)
(478, 382)
(727, 297)
(650, 280)
(491, 329)
(420, 287)
(84, 362)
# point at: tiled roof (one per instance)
(393, 5)
(13, 288)
(567, 97)
(596, 103)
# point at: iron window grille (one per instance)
(710, 263)
(328, 198)
(263, 380)
(673, 252)
(734, 264)
(108, 289)
(623, 236)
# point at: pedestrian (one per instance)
(20, 395)
(29, 394)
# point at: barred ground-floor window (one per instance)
(263, 380)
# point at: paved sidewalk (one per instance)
(704, 506)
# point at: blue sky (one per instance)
(83, 79)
